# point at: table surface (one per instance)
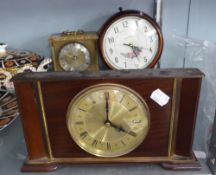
(13, 153)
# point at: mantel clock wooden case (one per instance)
(74, 51)
(109, 117)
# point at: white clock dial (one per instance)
(130, 42)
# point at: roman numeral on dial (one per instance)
(83, 134)
(79, 123)
(108, 146)
(94, 143)
(116, 30)
(125, 24)
(111, 40)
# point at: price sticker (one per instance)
(160, 97)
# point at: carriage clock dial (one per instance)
(74, 56)
(74, 51)
(130, 40)
(108, 120)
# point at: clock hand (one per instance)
(127, 44)
(135, 49)
(107, 121)
(134, 52)
(119, 128)
(106, 94)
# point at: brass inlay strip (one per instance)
(44, 120)
(54, 58)
(174, 116)
(81, 160)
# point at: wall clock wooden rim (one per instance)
(122, 14)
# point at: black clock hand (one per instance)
(127, 44)
(134, 52)
(135, 49)
(107, 107)
(119, 128)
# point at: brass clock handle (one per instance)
(67, 32)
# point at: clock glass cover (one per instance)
(74, 56)
(108, 120)
(130, 40)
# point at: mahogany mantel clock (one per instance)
(145, 116)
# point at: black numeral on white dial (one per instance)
(116, 59)
(111, 40)
(116, 30)
(125, 24)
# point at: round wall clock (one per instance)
(108, 120)
(130, 39)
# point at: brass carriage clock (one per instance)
(73, 51)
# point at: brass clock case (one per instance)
(108, 120)
(74, 51)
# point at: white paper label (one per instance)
(160, 97)
(200, 154)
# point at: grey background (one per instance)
(27, 25)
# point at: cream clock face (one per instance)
(108, 120)
(74, 56)
(131, 42)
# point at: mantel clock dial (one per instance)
(130, 40)
(74, 51)
(108, 120)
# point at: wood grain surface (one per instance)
(59, 88)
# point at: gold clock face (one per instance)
(74, 56)
(108, 120)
